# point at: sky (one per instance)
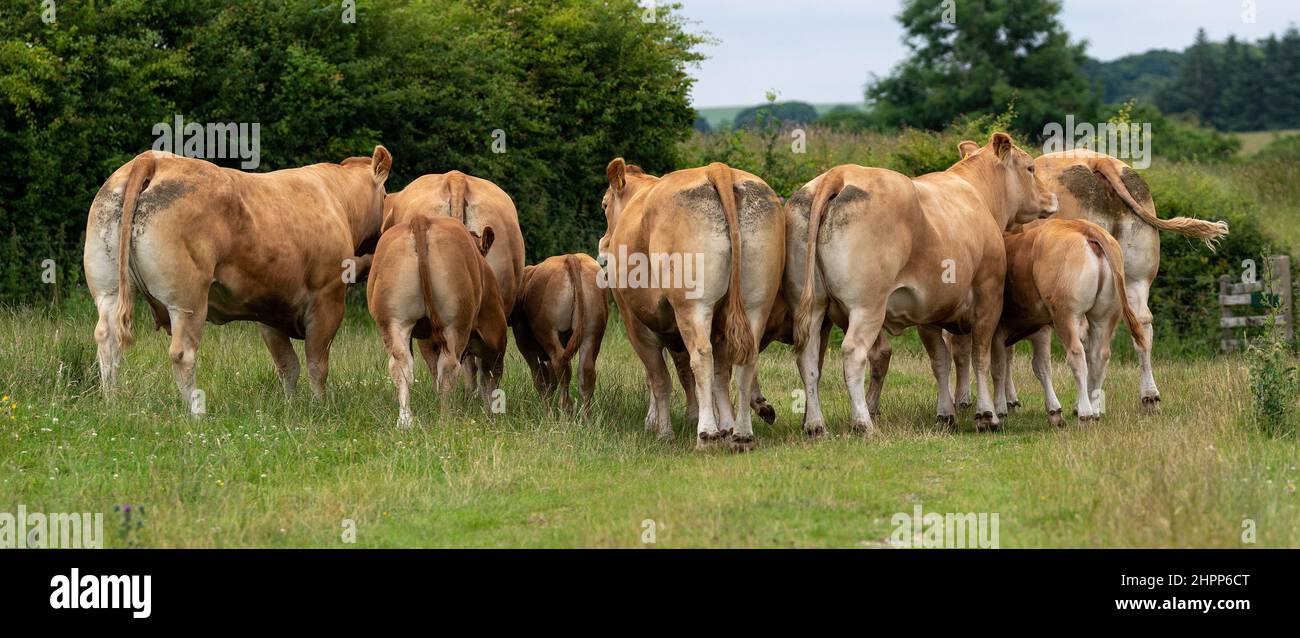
(824, 50)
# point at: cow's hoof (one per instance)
(743, 443)
(1054, 418)
(665, 436)
(404, 422)
(767, 413)
(815, 432)
(1003, 415)
(1013, 404)
(862, 429)
(725, 434)
(709, 439)
(964, 405)
(1151, 404)
(946, 421)
(984, 422)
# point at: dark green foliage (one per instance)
(993, 52)
(1282, 149)
(570, 84)
(1140, 76)
(787, 113)
(1238, 86)
(1184, 297)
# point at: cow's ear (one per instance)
(966, 148)
(381, 162)
(1001, 143)
(485, 240)
(617, 174)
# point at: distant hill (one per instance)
(1139, 76)
(718, 116)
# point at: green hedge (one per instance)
(571, 83)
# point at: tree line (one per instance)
(536, 95)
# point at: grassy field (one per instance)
(258, 472)
(1252, 141)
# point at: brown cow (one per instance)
(429, 280)
(214, 244)
(1067, 274)
(1107, 192)
(722, 229)
(477, 203)
(559, 312)
(896, 252)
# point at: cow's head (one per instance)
(1007, 174)
(372, 173)
(624, 182)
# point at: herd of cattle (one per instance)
(998, 248)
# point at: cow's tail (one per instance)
(456, 197)
(142, 171)
(740, 339)
(420, 232)
(1114, 257)
(1208, 232)
(574, 268)
(830, 185)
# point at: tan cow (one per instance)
(694, 260)
(882, 251)
(429, 280)
(1069, 275)
(214, 244)
(560, 311)
(477, 203)
(1107, 192)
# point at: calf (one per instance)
(559, 312)
(1067, 274)
(429, 280)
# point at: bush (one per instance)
(570, 84)
(1273, 388)
(1184, 297)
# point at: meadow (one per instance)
(260, 472)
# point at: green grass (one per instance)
(1253, 141)
(258, 472)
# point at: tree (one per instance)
(562, 85)
(992, 51)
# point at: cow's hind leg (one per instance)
(1068, 329)
(327, 314)
(879, 358)
(959, 347)
(1042, 363)
(686, 378)
(108, 342)
(285, 359)
(695, 323)
(187, 330)
(864, 328)
(1012, 397)
(810, 370)
(1137, 292)
(401, 367)
(1097, 348)
(940, 361)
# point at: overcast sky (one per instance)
(823, 50)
